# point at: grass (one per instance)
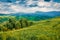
(43, 30)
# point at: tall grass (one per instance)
(42, 30)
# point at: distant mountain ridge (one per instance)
(34, 16)
(53, 13)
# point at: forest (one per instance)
(12, 23)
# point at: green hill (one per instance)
(42, 30)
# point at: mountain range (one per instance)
(52, 14)
(34, 16)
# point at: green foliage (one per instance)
(12, 23)
(42, 30)
(24, 23)
(34, 38)
(1, 27)
(9, 26)
(17, 25)
(11, 38)
(1, 38)
(30, 23)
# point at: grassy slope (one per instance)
(43, 30)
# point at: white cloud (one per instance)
(8, 8)
(42, 6)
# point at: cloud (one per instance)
(42, 6)
(7, 8)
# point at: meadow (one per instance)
(24, 29)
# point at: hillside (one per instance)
(43, 30)
(31, 16)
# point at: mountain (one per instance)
(42, 30)
(52, 14)
(34, 16)
(3, 14)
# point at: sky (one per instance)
(28, 6)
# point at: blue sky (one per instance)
(56, 1)
(24, 0)
(28, 6)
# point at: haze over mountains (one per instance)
(34, 16)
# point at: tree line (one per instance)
(12, 23)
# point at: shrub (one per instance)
(1, 28)
(34, 38)
(1, 38)
(11, 38)
(24, 23)
(30, 23)
(12, 23)
(9, 26)
(17, 25)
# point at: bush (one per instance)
(30, 23)
(1, 28)
(1, 38)
(34, 38)
(25, 23)
(11, 38)
(17, 25)
(9, 26)
(12, 23)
